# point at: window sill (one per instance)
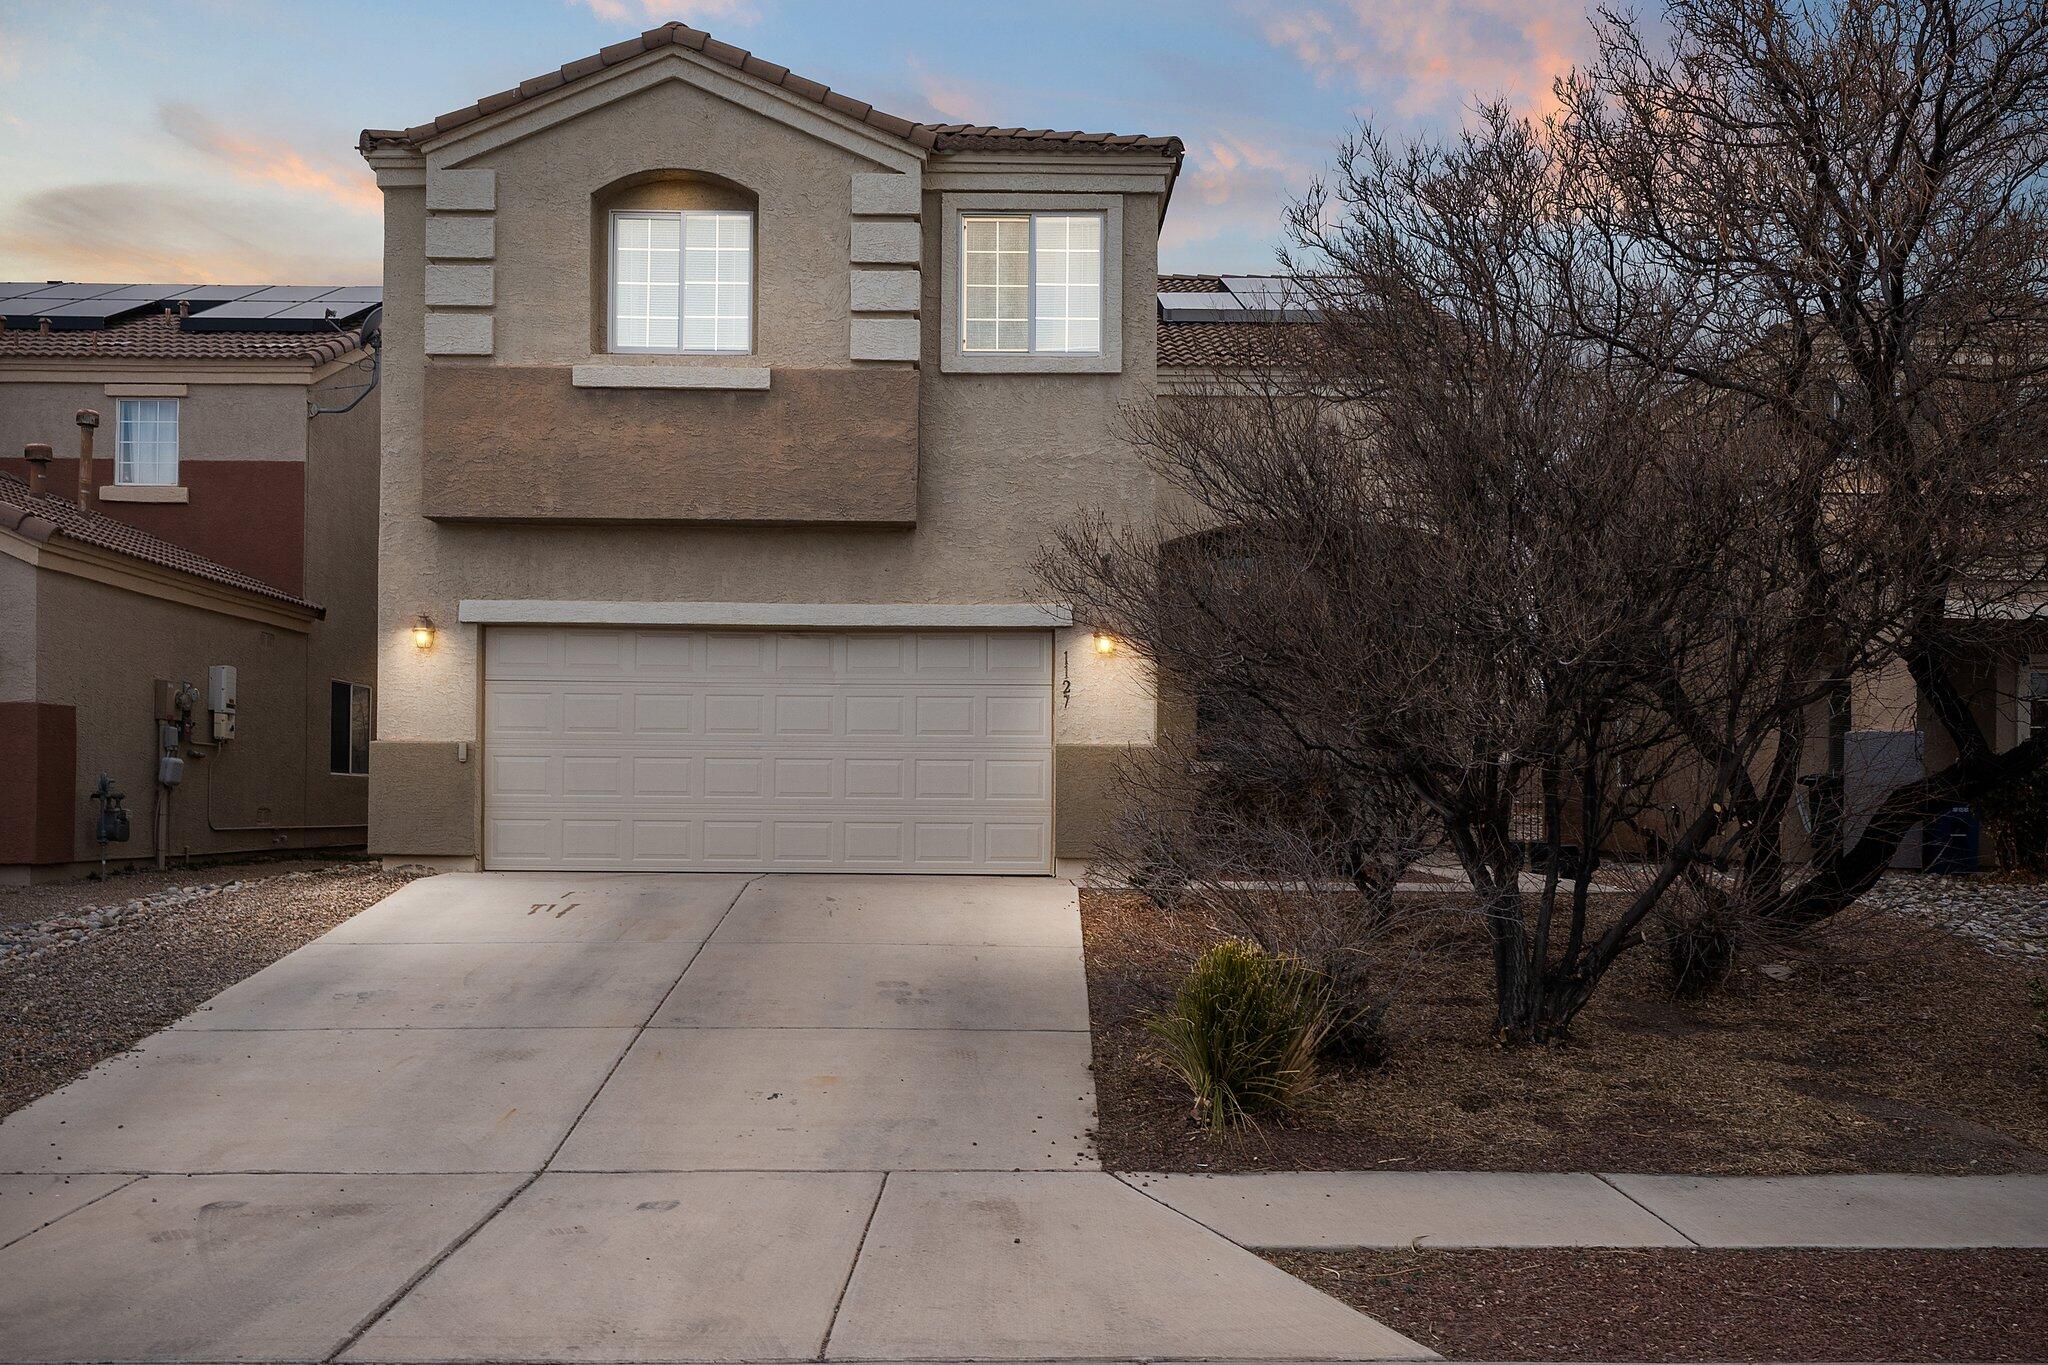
(669, 376)
(956, 361)
(140, 492)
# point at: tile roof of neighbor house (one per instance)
(38, 516)
(156, 336)
(943, 137)
(1210, 345)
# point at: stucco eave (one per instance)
(795, 615)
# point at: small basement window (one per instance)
(348, 728)
(146, 442)
(682, 281)
(1031, 283)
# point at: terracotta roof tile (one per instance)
(1190, 284)
(40, 516)
(1217, 345)
(156, 336)
(944, 137)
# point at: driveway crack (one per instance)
(825, 1343)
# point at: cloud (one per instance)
(1430, 58)
(948, 99)
(696, 13)
(123, 231)
(1233, 185)
(262, 161)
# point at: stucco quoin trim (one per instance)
(795, 615)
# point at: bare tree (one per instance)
(1617, 449)
(1440, 544)
(1829, 219)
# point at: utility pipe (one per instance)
(88, 422)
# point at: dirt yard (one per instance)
(1698, 1305)
(1889, 1045)
(62, 1013)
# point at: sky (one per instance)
(214, 140)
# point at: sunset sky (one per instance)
(214, 140)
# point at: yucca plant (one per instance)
(1243, 1032)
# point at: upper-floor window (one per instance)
(1031, 283)
(682, 280)
(146, 441)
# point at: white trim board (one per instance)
(820, 615)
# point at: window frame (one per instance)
(682, 216)
(2030, 665)
(122, 459)
(954, 358)
(336, 689)
(1032, 283)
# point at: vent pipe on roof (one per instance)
(88, 421)
(38, 456)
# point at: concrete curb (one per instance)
(1334, 1210)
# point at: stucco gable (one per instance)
(652, 70)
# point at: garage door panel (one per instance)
(647, 715)
(526, 653)
(676, 750)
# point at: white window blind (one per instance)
(1032, 283)
(146, 441)
(1067, 263)
(997, 297)
(682, 281)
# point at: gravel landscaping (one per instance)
(1884, 1044)
(1698, 1305)
(89, 969)
(2006, 917)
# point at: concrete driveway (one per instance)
(679, 1118)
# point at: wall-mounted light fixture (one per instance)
(423, 631)
(1104, 644)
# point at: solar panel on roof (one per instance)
(76, 291)
(373, 292)
(215, 293)
(289, 293)
(257, 315)
(76, 315)
(1208, 307)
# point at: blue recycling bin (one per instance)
(1951, 844)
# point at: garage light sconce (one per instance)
(1105, 644)
(423, 631)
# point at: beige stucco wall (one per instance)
(18, 632)
(341, 575)
(1004, 462)
(101, 649)
(215, 421)
(546, 313)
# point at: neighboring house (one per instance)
(229, 520)
(724, 417)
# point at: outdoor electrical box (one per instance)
(220, 700)
(170, 771)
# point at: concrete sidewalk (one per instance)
(1381, 1209)
(630, 1118)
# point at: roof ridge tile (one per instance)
(931, 136)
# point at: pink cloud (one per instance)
(696, 13)
(1232, 183)
(168, 232)
(265, 161)
(1430, 57)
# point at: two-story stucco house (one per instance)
(723, 418)
(225, 519)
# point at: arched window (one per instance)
(678, 264)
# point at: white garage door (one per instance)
(684, 750)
